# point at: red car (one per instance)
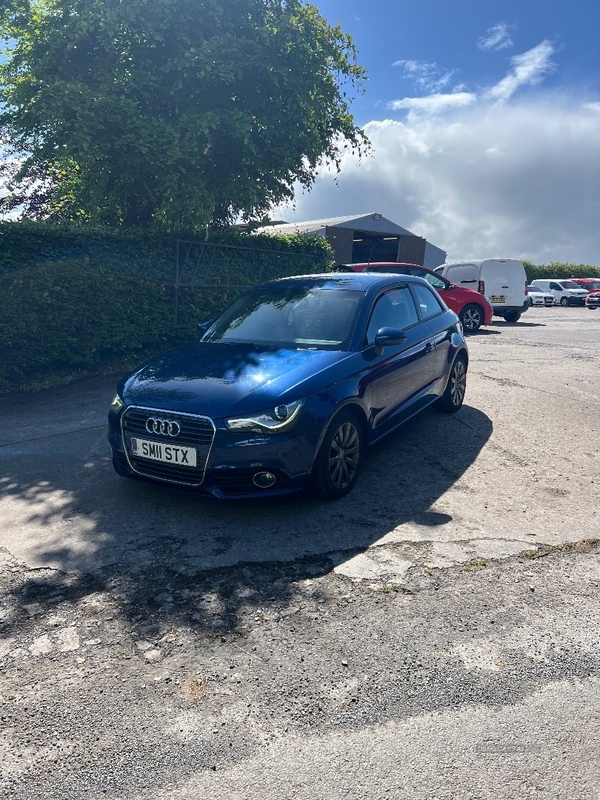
(473, 308)
(593, 286)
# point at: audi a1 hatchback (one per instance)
(289, 385)
(473, 308)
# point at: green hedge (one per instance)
(77, 301)
(559, 269)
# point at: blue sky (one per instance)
(485, 123)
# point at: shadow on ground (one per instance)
(80, 529)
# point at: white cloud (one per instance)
(425, 74)
(434, 103)
(496, 38)
(519, 180)
(527, 69)
(480, 175)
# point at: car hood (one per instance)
(220, 380)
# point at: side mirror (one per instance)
(387, 336)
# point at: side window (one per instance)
(436, 282)
(556, 286)
(429, 304)
(394, 309)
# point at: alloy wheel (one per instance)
(458, 383)
(344, 455)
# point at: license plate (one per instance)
(497, 298)
(160, 451)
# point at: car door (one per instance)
(432, 313)
(399, 377)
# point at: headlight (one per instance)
(116, 404)
(281, 418)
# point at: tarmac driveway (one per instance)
(308, 649)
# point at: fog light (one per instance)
(264, 480)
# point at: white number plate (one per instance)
(161, 451)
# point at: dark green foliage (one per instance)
(71, 316)
(170, 114)
(559, 269)
(77, 301)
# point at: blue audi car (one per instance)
(288, 386)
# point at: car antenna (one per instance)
(370, 256)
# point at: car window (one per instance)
(435, 281)
(297, 318)
(555, 286)
(571, 285)
(394, 309)
(429, 304)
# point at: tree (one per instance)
(172, 113)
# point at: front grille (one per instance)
(197, 432)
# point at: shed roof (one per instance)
(373, 222)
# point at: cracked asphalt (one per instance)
(432, 635)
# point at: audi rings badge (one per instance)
(163, 427)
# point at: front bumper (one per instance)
(228, 465)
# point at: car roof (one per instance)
(361, 281)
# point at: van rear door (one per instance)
(505, 281)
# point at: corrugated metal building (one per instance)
(368, 237)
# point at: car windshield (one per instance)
(533, 289)
(593, 285)
(307, 316)
(571, 285)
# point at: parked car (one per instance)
(592, 301)
(502, 280)
(286, 388)
(565, 292)
(591, 284)
(539, 298)
(473, 308)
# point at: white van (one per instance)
(566, 293)
(502, 280)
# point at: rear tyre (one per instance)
(564, 301)
(471, 318)
(454, 393)
(339, 457)
(513, 316)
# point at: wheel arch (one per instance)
(352, 406)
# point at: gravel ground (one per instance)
(432, 635)
(166, 683)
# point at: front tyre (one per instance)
(454, 394)
(471, 318)
(564, 301)
(339, 457)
